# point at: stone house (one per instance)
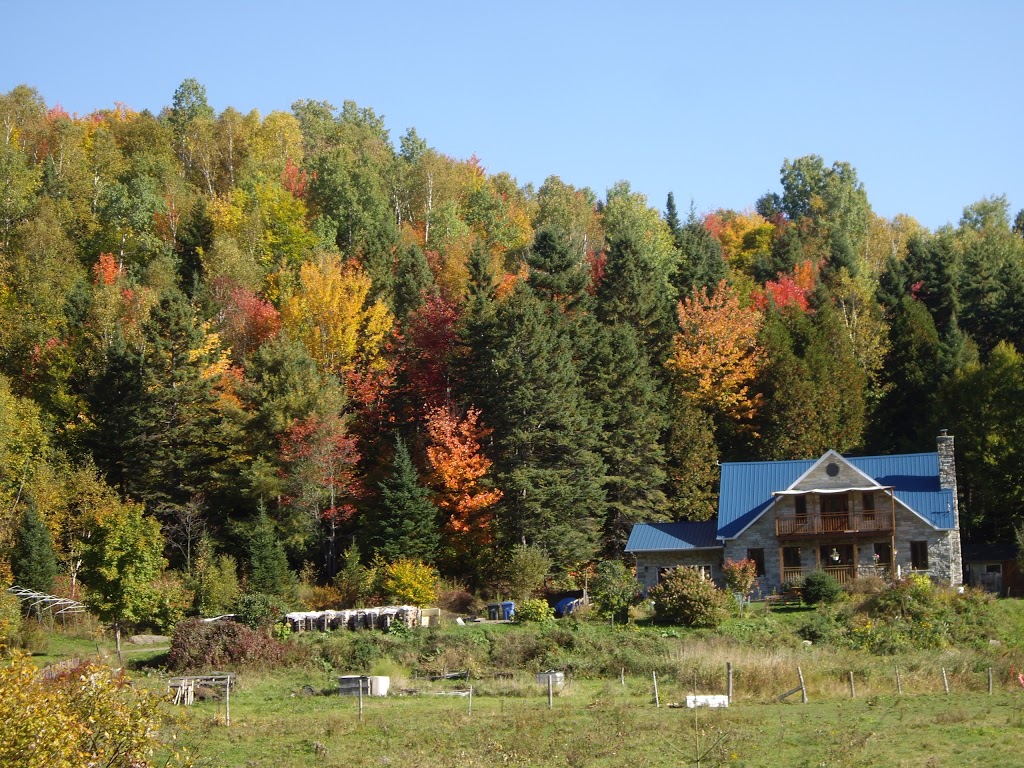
(848, 516)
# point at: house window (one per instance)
(994, 568)
(919, 555)
(834, 503)
(791, 557)
(757, 555)
(883, 554)
(869, 506)
(800, 503)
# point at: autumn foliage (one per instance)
(459, 471)
(715, 354)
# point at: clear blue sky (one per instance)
(705, 100)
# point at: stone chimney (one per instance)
(947, 462)
(947, 481)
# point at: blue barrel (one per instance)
(508, 610)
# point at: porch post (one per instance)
(782, 568)
(856, 561)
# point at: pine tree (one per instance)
(700, 258)
(33, 561)
(911, 377)
(675, 226)
(620, 383)
(412, 279)
(406, 524)
(268, 564)
(631, 291)
(544, 433)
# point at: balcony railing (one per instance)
(842, 573)
(792, 524)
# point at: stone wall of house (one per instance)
(649, 563)
(944, 563)
(761, 535)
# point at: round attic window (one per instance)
(832, 469)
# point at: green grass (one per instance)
(601, 723)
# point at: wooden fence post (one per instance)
(361, 699)
(657, 701)
(945, 681)
(990, 681)
(728, 680)
(899, 684)
(853, 691)
(551, 700)
(803, 688)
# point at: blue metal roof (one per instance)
(746, 488)
(656, 537)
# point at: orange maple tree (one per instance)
(715, 355)
(458, 469)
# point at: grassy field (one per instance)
(595, 723)
(294, 717)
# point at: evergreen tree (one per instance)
(556, 274)
(911, 376)
(700, 258)
(812, 386)
(159, 426)
(692, 462)
(33, 562)
(675, 226)
(406, 525)
(544, 433)
(412, 278)
(632, 292)
(620, 383)
(268, 564)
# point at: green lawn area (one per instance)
(596, 723)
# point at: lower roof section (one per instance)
(661, 537)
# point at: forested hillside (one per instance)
(295, 335)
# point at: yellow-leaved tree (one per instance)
(715, 355)
(330, 313)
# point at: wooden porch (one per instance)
(844, 574)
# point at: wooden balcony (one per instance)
(795, 526)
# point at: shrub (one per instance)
(352, 580)
(410, 582)
(173, 599)
(525, 570)
(199, 644)
(821, 587)
(534, 611)
(614, 589)
(865, 585)
(322, 598)
(10, 619)
(257, 610)
(740, 576)
(91, 715)
(457, 600)
(685, 596)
